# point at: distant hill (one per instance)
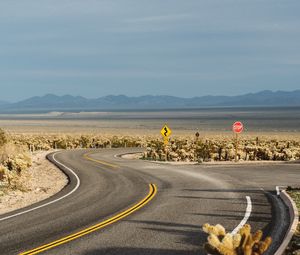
(70, 103)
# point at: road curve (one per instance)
(186, 198)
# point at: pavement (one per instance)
(109, 207)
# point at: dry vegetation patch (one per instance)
(35, 184)
(223, 149)
(75, 141)
(187, 149)
(14, 160)
(25, 178)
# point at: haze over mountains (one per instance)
(52, 102)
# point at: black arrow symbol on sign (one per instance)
(166, 131)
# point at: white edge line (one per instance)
(52, 202)
(246, 217)
(278, 191)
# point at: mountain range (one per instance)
(52, 102)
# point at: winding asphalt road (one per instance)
(110, 208)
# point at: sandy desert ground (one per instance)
(39, 182)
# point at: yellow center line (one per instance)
(118, 217)
(87, 156)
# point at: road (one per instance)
(110, 208)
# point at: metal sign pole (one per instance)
(236, 146)
(237, 128)
(166, 147)
(166, 132)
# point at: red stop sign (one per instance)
(238, 127)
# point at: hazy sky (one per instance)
(135, 47)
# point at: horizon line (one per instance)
(152, 95)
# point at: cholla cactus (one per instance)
(242, 243)
(179, 148)
(223, 149)
(73, 141)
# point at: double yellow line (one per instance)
(69, 238)
(87, 156)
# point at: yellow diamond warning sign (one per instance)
(166, 131)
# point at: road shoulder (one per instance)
(39, 182)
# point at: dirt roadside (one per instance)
(39, 182)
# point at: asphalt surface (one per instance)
(187, 197)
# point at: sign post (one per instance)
(237, 128)
(197, 136)
(166, 132)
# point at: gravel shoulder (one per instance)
(39, 182)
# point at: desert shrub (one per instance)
(3, 137)
(2, 173)
(13, 161)
(14, 158)
(17, 163)
(15, 181)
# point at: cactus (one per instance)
(243, 243)
(179, 148)
(3, 137)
